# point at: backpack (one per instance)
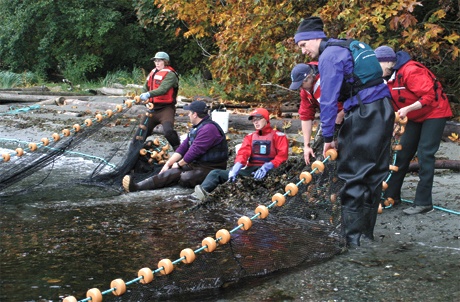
(367, 71)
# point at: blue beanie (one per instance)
(309, 29)
(385, 54)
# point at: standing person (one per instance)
(307, 78)
(204, 149)
(364, 139)
(161, 88)
(417, 94)
(260, 152)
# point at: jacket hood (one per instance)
(402, 58)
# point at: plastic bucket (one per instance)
(221, 118)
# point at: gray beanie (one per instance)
(385, 54)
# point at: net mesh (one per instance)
(305, 230)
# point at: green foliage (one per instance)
(123, 77)
(11, 80)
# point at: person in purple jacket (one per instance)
(364, 140)
(204, 150)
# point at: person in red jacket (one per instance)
(417, 94)
(307, 78)
(161, 87)
(260, 152)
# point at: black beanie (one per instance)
(310, 28)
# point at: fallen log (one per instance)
(453, 165)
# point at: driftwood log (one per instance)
(453, 165)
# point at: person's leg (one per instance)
(430, 139)
(194, 176)
(167, 121)
(165, 179)
(214, 179)
(409, 142)
(364, 150)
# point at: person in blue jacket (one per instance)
(363, 143)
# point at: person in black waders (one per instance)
(204, 150)
(365, 137)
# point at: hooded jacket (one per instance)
(412, 82)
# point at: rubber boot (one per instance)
(130, 186)
(370, 217)
(352, 223)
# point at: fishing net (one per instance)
(303, 225)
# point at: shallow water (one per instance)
(57, 241)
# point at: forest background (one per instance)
(230, 47)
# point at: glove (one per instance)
(145, 96)
(234, 172)
(262, 171)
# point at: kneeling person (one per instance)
(260, 152)
(204, 150)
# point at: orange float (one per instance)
(56, 137)
(146, 274)
(33, 146)
(19, 152)
(246, 222)
(292, 189)
(394, 168)
(188, 254)
(109, 112)
(119, 108)
(224, 236)
(45, 141)
(210, 244)
(384, 185)
(66, 132)
(70, 299)
(279, 198)
(167, 266)
(142, 152)
(332, 153)
(396, 147)
(306, 177)
(95, 295)
(120, 287)
(318, 165)
(263, 210)
(6, 157)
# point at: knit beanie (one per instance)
(385, 54)
(310, 28)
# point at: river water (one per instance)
(57, 241)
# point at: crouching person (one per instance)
(260, 152)
(204, 150)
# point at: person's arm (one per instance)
(405, 110)
(307, 150)
(173, 162)
(282, 149)
(245, 150)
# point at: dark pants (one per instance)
(163, 116)
(424, 139)
(189, 176)
(364, 158)
(217, 177)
